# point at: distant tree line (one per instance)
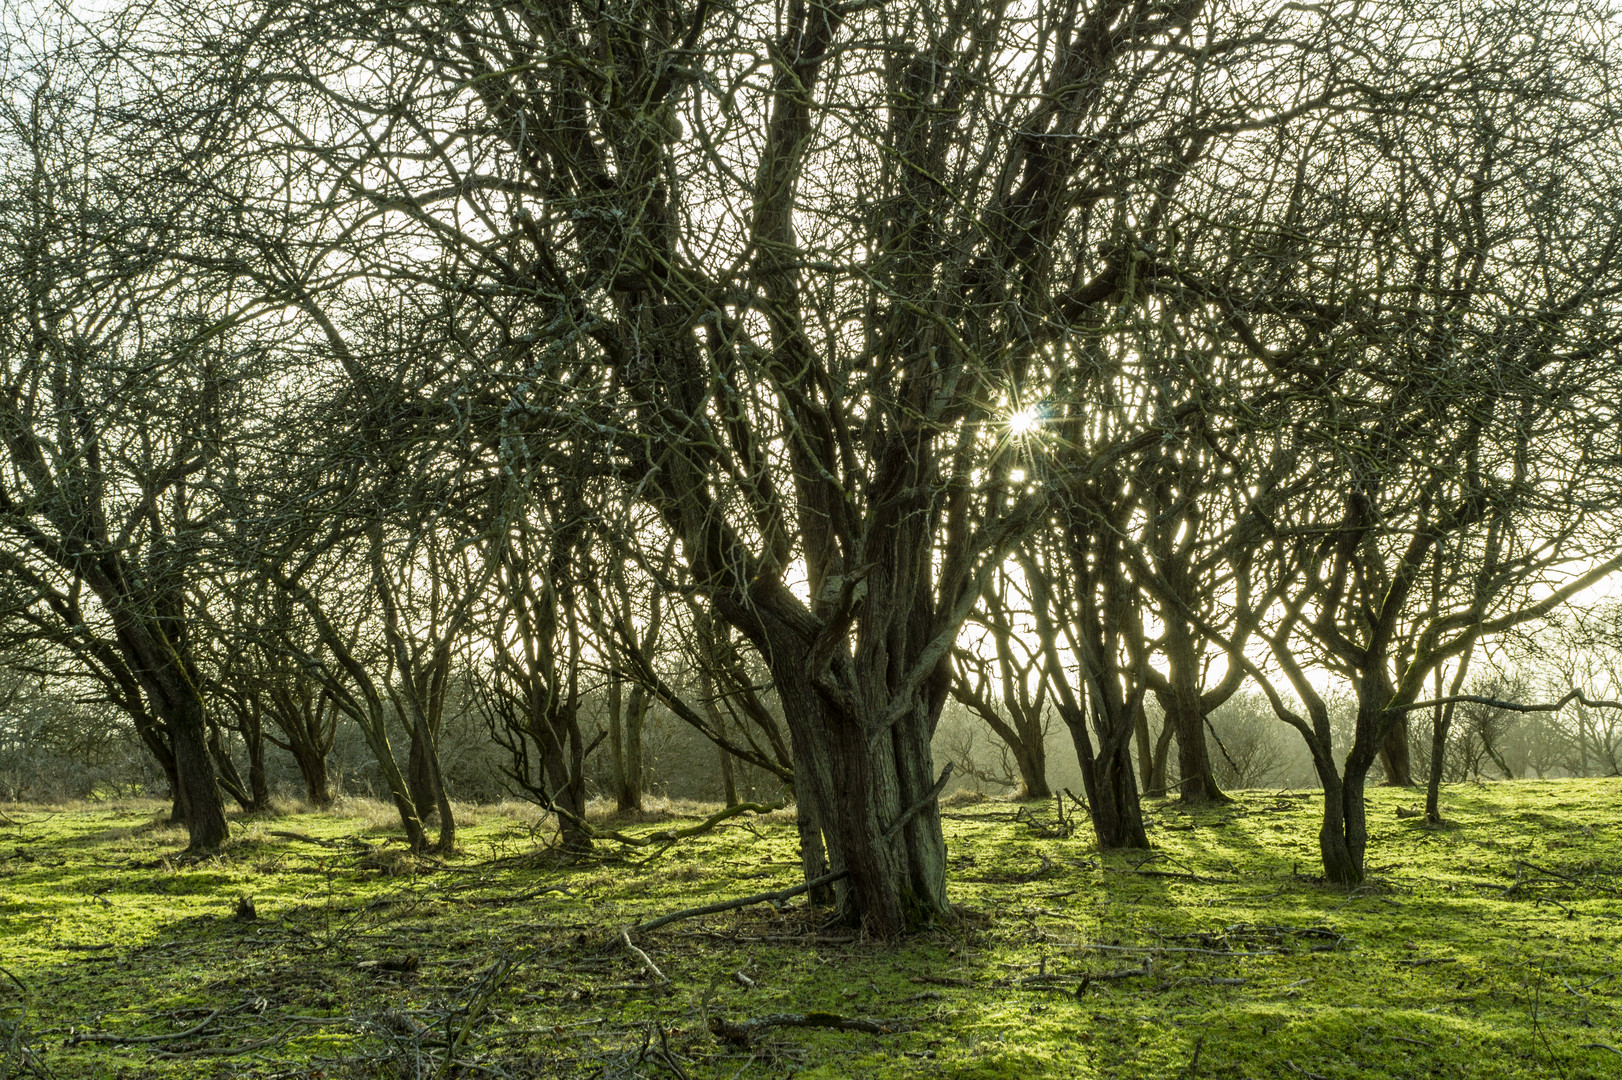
(801, 372)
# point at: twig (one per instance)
(1602, 1046)
(747, 901)
(647, 961)
(669, 1058)
(475, 1009)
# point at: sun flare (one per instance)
(1023, 422)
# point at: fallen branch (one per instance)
(223, 1051)
(1169, 949)
(742, 1034)
(747, 901)
(1177, 875)
(647, 961)
(1519, 863)
(1202, 980)
(518, 899)
(1124, 973)
(942, 980)
(666, 838)
(130, 1039)
(486, 989)
(303, 838)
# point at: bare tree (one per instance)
(781, 277)
(1457, 297)
(1017, 709)
(118, 383)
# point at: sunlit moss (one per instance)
(1484, 949)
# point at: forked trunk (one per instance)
(1343, 836)
(1112, 790)
(554, 730)
(862, 783)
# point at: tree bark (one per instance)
(419, 775)
(628, 793)
(1185, 712)
(199, 794)
(312, 769)
(1158, 782)
(1441, 724)
(1396, 757)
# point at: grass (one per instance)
(1489, 948)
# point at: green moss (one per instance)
(1485, 949)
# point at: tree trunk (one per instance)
(312, 767)
(628, 774)
(435, 776)
(813, 852)
(616, 741)
(1140, 735)
(374, 728)
(1031, 757)
(253, 735)
(729, 784)
(1440, 724)
(1185, 713)
(813, 792)
(1112, 791)
(862, 781)
(1157, 776)
(1339, 842)
(1196, 780)
(1396, 757)
(555, 731)
(1344, 836)
(199, 794)
(226, 774)
(419, 778)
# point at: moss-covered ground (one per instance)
(1490, 948)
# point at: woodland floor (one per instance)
(1491, 947)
